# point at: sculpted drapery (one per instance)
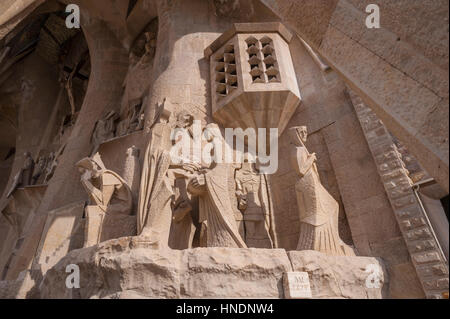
(318, 210)
(214, 200)
(154, 208)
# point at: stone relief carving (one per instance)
(39, 169)
(144, 47)
(104, 129)
(318, 210)
(134, 119)
(110, 207)
(254, 203)
(25, 176)
(157, 202)
(107, 190)
(132, 170)
(52, 163)
(234, 9)
(215, 207)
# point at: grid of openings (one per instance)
(262, 59)
(226, 76)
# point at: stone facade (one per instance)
(423, 247)
(114, 150)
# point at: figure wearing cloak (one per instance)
(157, 196)
(255, 204)
(318, 210)
(106, 188)
(214, 201)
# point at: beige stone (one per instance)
(369, 59)
(318, 210)
(250, 67)
(206, 273)
(100, 226)
(296, 285)
(341, 276)
(138, 70)
(59, 235)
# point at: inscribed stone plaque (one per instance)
(296, 285)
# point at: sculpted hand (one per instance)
(87, 175)
(197, 185)
(191, 167)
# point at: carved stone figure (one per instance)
(25, 176)
(150, 47)
(134, 119)
(65, 128)
(39, 169)
(106, 188)
(254, 203)
(104, 130)
(144, 48)
(157, 194)
(108, 215)
(52, 163)
(132, 171)
(211, 185)
(318, 210)
(27, 170)
(182, 228)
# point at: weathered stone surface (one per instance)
(143, 63)
(131, 268)
(340, 277)
(403, 80)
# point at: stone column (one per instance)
(109, 60)
(181, 74)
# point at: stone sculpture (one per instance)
(39, 169)
(254, 203)
(25, 176)
(106, 188)
(318, 210)
(111, 202)
(104, 129)
(157, 191)
(134, 119)
(52, 163)
(132, 171)
(211, 185)
(182, 229)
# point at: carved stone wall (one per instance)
(429, 263)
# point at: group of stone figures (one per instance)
(175, 196)
(34, 172)
(112, 125)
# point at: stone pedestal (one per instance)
(131, 267)
(296, 285)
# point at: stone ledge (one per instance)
(132, 268)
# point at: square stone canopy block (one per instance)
(253, 81)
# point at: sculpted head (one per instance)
(298, 134)
(184, 119)
(94, 165)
